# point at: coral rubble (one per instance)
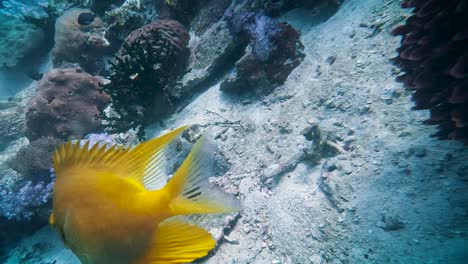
(150, 60)
(274, 52)
(67, 105)
(81, 43)
(434, 58)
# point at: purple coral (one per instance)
(274, 52)
(24, 203)
(261, 29)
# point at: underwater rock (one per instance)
(274, 52)
(146, 67)
(83, 44)
(12, 120)
(101, 6)
(211, 12)
(183, 10)
(68, 105)
(34, 159)
(213, 50)
(275, 8)
(27, 10)
(19, 39)
(433, 57)
(212, 54)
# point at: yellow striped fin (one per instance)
(190, 188)
(178, 242)
(138, 163)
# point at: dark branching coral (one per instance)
(275, 51)
(434, 57)
(150, 60)
(68, 105)
(35, 159)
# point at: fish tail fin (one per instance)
(176, 241)
(190, 189)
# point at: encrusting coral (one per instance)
(434, 58)
(150, 60)
(274, 52)
(68, 105)
(80, 41)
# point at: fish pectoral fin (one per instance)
(177, 241)
(190, 187)
(51, 219)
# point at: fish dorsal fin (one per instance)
(141, 163)
(190, 186)
(76, 154)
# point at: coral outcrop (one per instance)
(147, 65)
(434, 58)
(67, 105)
(19, 38)
(277, 7)
(78, 42)
(275, 50)
(35, 159)
(123, 20)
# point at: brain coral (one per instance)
(434, 57)
(82, 43)
(67, 105)
(150, 60)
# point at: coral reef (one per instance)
(434, 58)
(26, 202)
(67, 105)
(24, 207)
(213, 50)
(35, 159)
(275, 8)
(12, 120)
(83, 44)
(123, 20)
(183, 10)
(19, 38)
(147, 65)
(274, 52)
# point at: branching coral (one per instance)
(275, 51)
(434, 57)
(148, 63)
(25, 202)
(68, 105)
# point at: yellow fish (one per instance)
(113, 205)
